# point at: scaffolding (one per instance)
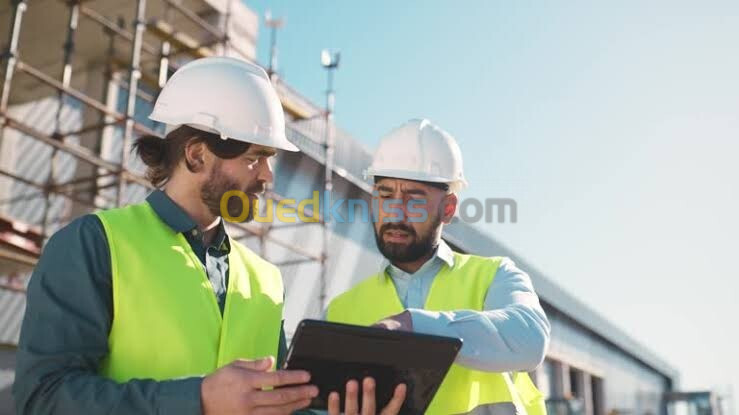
(134, 53)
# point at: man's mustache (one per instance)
(257, 188)
(397, 226)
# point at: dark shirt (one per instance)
(68, 317)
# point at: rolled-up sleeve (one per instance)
(510, 334)
(64, 337)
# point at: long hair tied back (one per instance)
(162, 156)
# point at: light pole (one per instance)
(330, 61)
(273, 24)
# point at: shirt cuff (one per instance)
(181, 396)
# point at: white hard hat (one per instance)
(419, 150)
(226, 96)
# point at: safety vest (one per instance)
(532, 398)
(462, 286)
(166, 320)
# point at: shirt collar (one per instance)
(170, 212)
(176, 218)
(442, 254)
(445, 253)
(221, 238)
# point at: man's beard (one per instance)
(415, 250)
(212, 191)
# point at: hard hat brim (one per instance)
(458, 184)
(279, 142)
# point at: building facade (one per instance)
(68, 124)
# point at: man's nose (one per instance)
(265, 171)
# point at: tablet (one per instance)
(335, 353)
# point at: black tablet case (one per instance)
(335, 353)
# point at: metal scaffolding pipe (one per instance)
(73, 149)
(76, 151)
(15, 258)
(108, 168)
(19, 6)
(20, 198)
(293, 262)
(75, 184)
(87, 129)
(30, 70)
(193, 17)
(139, 93)
(84, 155)
(221, 36)
(108, 25)
(279, 242)
(78, 180)
(24, 67)
(263, 239)
(226, 21)
(133, 79)
(74, 13)
(45, 189)
(330, 62)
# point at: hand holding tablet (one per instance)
(369, 404)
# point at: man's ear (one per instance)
(195, 156)
(448, 207)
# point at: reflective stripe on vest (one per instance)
(463, 286)
(503, 408)
(166, 320)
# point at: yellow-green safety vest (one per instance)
(166, 320)
(532, 398)
(462, 286)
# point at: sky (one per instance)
(614, 126)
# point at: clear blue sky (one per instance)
(614, 126)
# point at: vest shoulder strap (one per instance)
(464, 285)
(373, 299)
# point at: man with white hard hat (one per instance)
(426, 287)
(153, 308)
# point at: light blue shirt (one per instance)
(511, 334)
